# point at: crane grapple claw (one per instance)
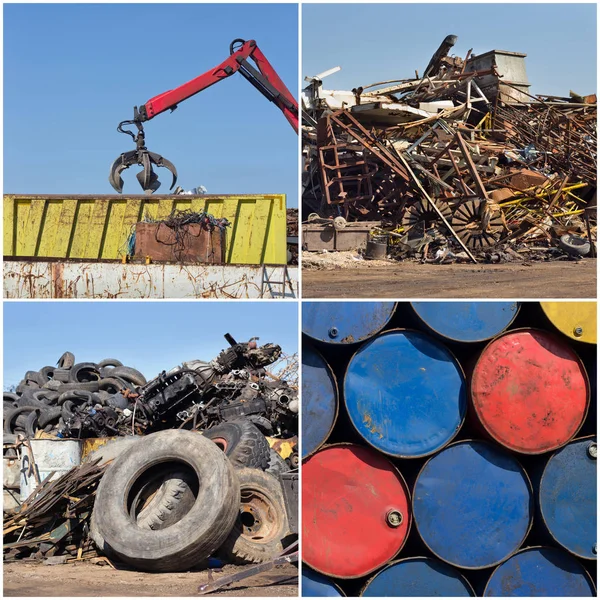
(146, 177)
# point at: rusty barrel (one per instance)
(345, 322)
(540, 572)
(355, 511)
(529, 391)
(315, 585)
(466, 322)
(405, 393)
(568, 499)
(418, 577)
(472, 504)
(319, 400)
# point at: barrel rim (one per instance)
(345, 301)
(582, 368)
(461, 373)
(333, 583)
(529, 548)
(539, 495)
(545, 304)
(502, 450)
(446, 337)
(337, 403)
(409, 504)
(420, 558)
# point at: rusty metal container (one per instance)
(473, 505)
(529, 391)
(376, 248)
(319, 400)
(405, 393)
(540, 572)
(315, 585)
(355, 511)
(191, 244)
(418, 577)
(568, 498)
(345, 322)
(466, 322)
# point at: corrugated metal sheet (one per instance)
(97, 227)
(84, 279)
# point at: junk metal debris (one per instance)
(231, 422)
(461, 163)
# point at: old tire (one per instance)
(128, 374)
(66, 361)
(276, 464)
(242, 442)
(86, 372)
(194, 537)
(574, 245)
(258, 533)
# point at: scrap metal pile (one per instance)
(246, 457)
(460, 161)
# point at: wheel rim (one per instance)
(258, 516)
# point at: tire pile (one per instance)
(449, 449)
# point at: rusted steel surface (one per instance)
(418, 577)
(84, 279)
(540, 572)
(473, 505)
(530, 391)
(355, 511)
(568, 498)
(405, 394)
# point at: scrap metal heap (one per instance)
(462, 158)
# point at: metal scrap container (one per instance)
(568, 500)
(540, 572)
(319, 400)
(473, 505)
(315, 585)
(576, 320)
(529, 391)
(405, 393)
(418, 577)
(355, 511)
(345, 322)
(466, 321)
(98, 227)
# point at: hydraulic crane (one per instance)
(263, 77)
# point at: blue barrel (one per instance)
(424, 577)
(315, 585)
(466, 321)
(345, 322)
(540, 571)
(567, 497)
(473, 505)
(319, 400)
(405, 393)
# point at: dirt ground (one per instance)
(386, 279)
(86, 579)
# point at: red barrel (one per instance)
(529, 391)
(355, 511)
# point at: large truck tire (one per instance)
(258, 533)
(276, 464)
(193, 536)
(242, 442)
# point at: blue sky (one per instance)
(72, 72)
(149, 336)
(377, 42)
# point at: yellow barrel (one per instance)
(98, 227)
(576, 320)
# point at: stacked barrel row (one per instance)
(448, 449)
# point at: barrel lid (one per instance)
(345, 322)
(418, 577)
(405, 393)
(467, 321)
(319, 400)
(315, 585)
(355, 511)
(568, 500)
(472, 504)
(576, 320)
(530, 391)
(540, 571)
